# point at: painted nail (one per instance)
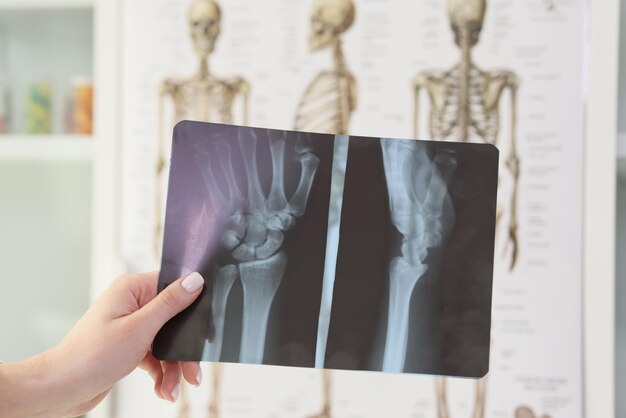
(176, 392)
(193, 282)
(199, 377)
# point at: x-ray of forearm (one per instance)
(382, 265)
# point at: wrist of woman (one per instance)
(29, 388)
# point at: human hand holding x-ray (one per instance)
(423, 213)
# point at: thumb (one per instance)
(171, 301)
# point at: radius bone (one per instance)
(260, 280)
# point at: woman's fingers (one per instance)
(192, 372)
(153, 367)
(170, 387)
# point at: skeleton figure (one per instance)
(255, 228)
(331, 97)
(422, 211)
(326, 107)
(479, 398)
(326, 382)
(202, 97)
(213, 409)
(526, 412)
(465, 101)
(216, 392)
(464, 104)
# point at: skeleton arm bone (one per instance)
(242, 87)
(418, 83)
(433, 82)
(512, 164)
(502, 80)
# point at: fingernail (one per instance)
(193, 282)
(199, 377)
(176, 392)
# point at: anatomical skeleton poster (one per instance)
(505, 72)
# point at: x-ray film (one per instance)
(330, 251)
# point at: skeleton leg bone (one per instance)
(260, 280)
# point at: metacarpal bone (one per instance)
(248, 142)
(235, 195)
(443, 167)
(260, 280)
(282, 221)
(222, 284)
(203, 160)
(276, 199)
(297, 203)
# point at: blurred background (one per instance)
(89, 93)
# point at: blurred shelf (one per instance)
(621, 155)
(45, 4)
(46, 147)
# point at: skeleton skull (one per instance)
(204, 25)
(466, 17)
(329, 18)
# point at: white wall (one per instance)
(620, 294)
(622, 65)
(44, 253)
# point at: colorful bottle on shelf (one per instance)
(4, 109)
(83, 106)
(38, 109)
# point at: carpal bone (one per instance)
(272, 244)
(244, 252)
(260, 280)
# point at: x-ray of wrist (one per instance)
(414, 268)
(255, 187)
(385, 264)
(423, 213)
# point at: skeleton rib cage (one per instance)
(325, 106)
(444, 117)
